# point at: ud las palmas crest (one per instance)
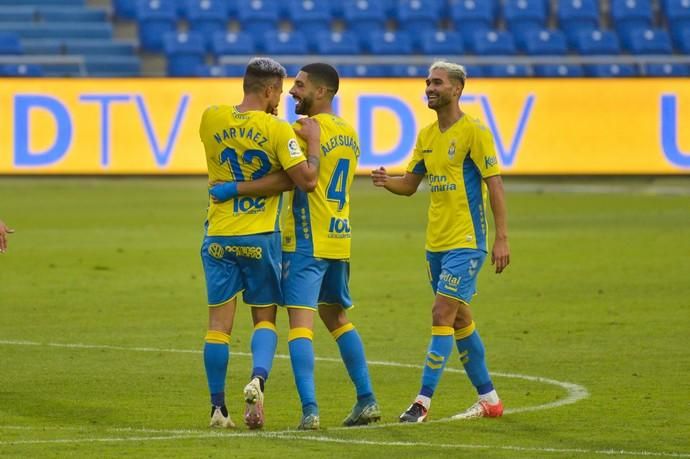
(451, 150)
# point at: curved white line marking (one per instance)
(575, 392)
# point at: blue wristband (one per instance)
(224, 191)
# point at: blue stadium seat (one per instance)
(598, 42)
(17, 13)
(126, 9)
(42, 30)
(650, 41)
(207, 17)
(417, 15)
(222, 71)
(292, 69)
(364, 16)
(610, 70)
(667, 70)
(577, 16)
(10, 44)
(464, 12)
(630, 15)
(360, 70)
(46, 2)
(683, 40)
(387, 43)
(184, 52)
(678, 16)
(182, 7)
(558, 70)
(232, 43)
(43, 46)
(436, 42)
(524, 15)
(258, 16)
(310, 16)
(156, 18)
(475, 71)
(71, 14)
(210, 71)
(337, 43)
(493, 43)
(21, 70)
(409, 71)
(507, 71)
(98, 47)
(546, 42)
(284, 43)
(113, 66)
(472, 16)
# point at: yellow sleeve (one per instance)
(483, 152)
(287, 146)
(416, 164)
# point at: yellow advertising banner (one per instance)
(150, 126)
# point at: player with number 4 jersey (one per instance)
(316, 251)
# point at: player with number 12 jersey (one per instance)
(318, 224)
(246, 146)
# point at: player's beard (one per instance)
(438, 103)
(303, 106)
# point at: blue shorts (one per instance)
(454, 273)
(243, 263)
(309, 282)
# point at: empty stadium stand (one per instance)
(363, 38)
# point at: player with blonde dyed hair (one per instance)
(456, 154)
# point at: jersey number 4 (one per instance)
(230, 156)
(337, 185)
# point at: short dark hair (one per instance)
(260, 72)
(323, 74)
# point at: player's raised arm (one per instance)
(305, 175)
(500, 254)
(406, 185)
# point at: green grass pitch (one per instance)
(102, 318)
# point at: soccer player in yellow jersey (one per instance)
(456, 154)
(241, 251)
(316, 245)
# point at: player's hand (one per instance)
(4, 231)
(309, 129)
(220, 191)
(500, 255)
(379, 176)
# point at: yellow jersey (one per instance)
(318, 223)
(455, 163)
(244, 146)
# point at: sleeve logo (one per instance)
(293, 147)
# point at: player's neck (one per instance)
(448, 116)
(251, 102)
(326, 108)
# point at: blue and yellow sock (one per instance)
(302, 359)
(352, 353)
(264, 341)
(436, 358)
(471, 350)
(216, 357)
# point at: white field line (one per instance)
(322, 439)
(575, 392)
